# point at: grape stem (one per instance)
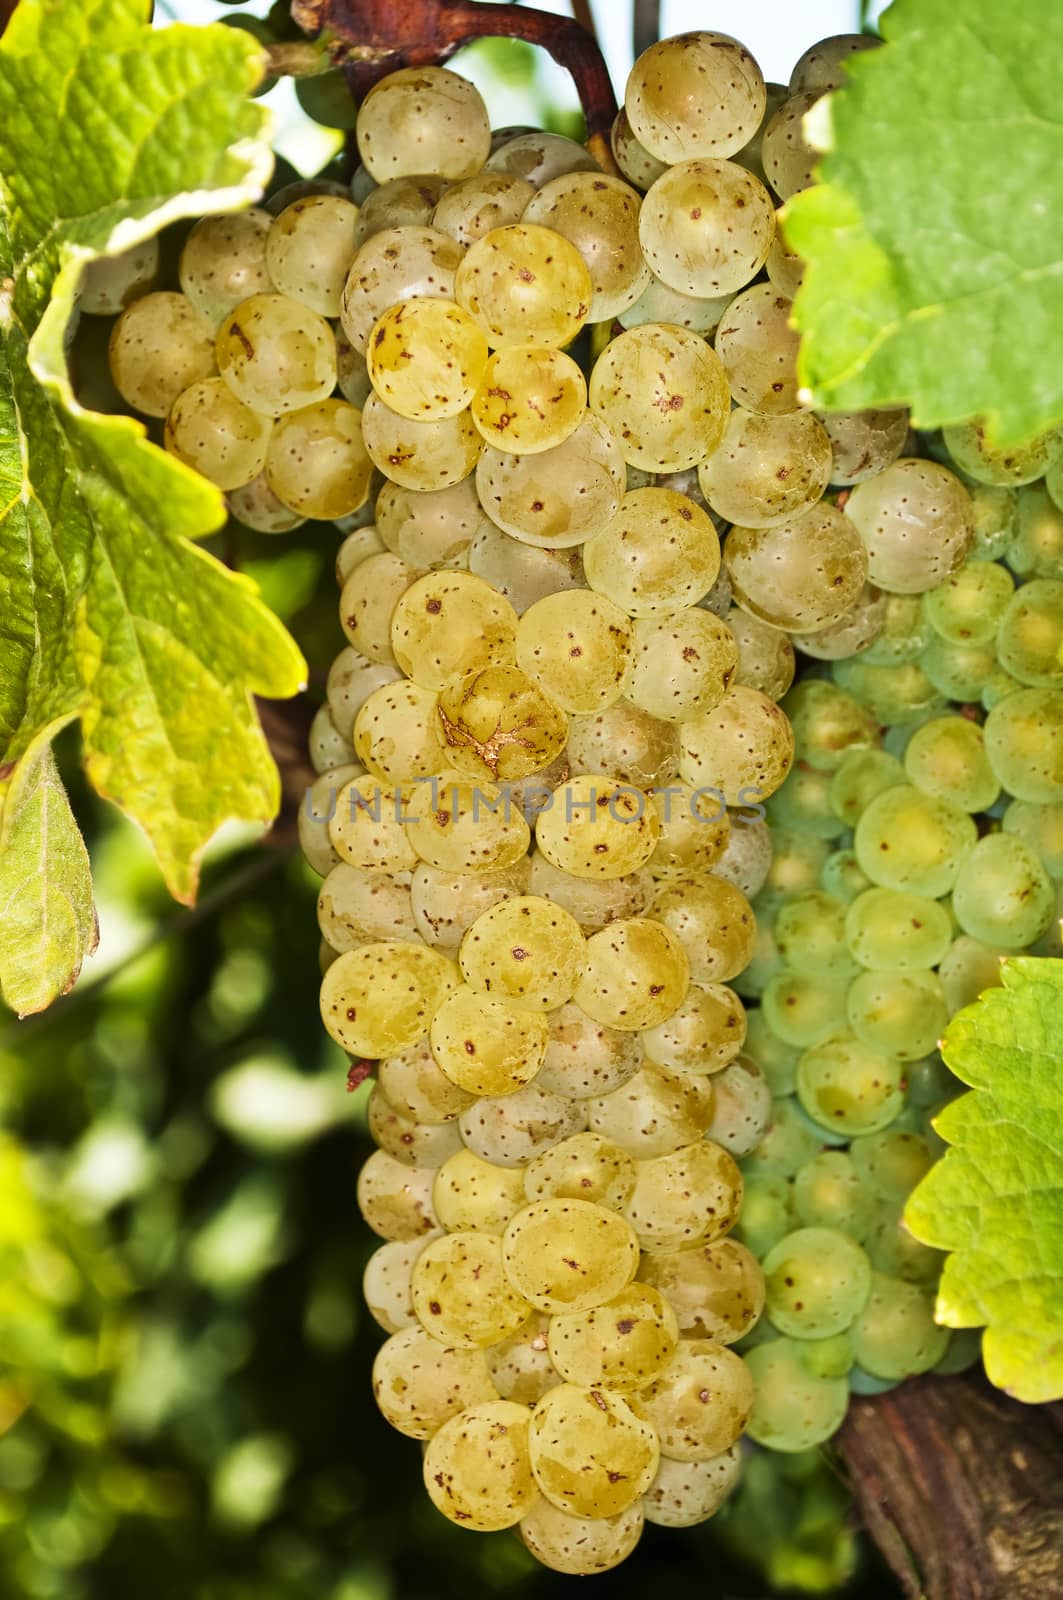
(646, 25)
(389, 34)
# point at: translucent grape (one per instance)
(521, 571)
(472, 1194)
(747, 859)
(658, 1110)
(793, 1408)
(636, 974)
(776, 1059)
(256, 506)
(394, 265)
(358, 545)
(686, 1198)
(849, 1087)
(414, 1085)
(829, 1193)
(966, 969)
(1024, 743)
(659, 303)
(898, 1013)
(817, 1281)
(1040, 827)
(801, 1010)
(958, 671)
(352, 375)
(682, 664)
(789, 160)
(703, 1035)
(713, 921)
(888, 930)
(459, 825)
(917, 523)
(419, 1384)
(1036, 545)
(365, 825)
(398, 203)
(801, 575)
(577, 646)
(536, 156)
(485, 1046)
(212, 432)
(415, 1144)
(701, 1403)
(110, 283)
(426, 358)
(894, 1251)
(905, 633)
(695, 94)
(597, 829)
(351, 680)
(742, 1109)
(632, 157)
(356, 907)
(663, 393)
(694, 832)
(1030, 641)
(715, 1290)
(531, 398)
(584, 1167)
(277, 355)
(968, 606)
(599, 215)
(909, 840)
(802, 804)
(316, 812)
(328, 747)
(822, 66)
(309, 250)
(624, 1344)
(743, 748)
(580, 1545)
(795, 868)
(386, 1284)
(520, 1366)
(685, 1493)
(460, 1293)
(446, 901)
(379, 999)
(569, 1255)
(477, 1468)
(223, 261)
(525, 285)
(864, 443)
(447, 624)
(706, 227)
(511, 1130)
(591, 1453)
(559, 497)
(767, 469)
(525, 950)
(423, 119)
(892, 1163)
(317, 462)
(894, 694)
(430, 530)
(593, 902)
(1003, 895)
(758, 348)
(995, 514)
(946, 758)
(497, 724)
(395, 1200)
(469, 209)
(765, 654)
(367, 604)
(159, 347)
(810, 934)
(420, 455)
(896, 1335)
(1007, 466)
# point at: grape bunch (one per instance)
(649, 1002)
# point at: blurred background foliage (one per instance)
(185, 1403)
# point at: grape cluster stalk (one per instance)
(652, 944)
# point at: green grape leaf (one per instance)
(995, 1200)
(46, 908)
(109, 130)
(934, 243)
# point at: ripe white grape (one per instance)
(426, 358)
(356, 908)
(789, 160)
(537, 157)
(498, 725)
(822, 66)
(624, 1344)
(916, 520)
(223, 261)
(715, 1290)
(597, 829)
(158, 348)
(419, 1383)
(386, 1283)
(864, 443)
(396, 264)
(577, 646)
(413, 1143)
(743, 748)
(636, 975)
(658, 554)
(682, 664)
(470, 1194)
(430, 530)
(701, 1402)
(395, 1200)
(525, 285)
(586, 1058)
(449, 623)
(703, 1035)
(397, 204)
(801, 575)
(110, 283)
(583, 1167)
(696, 94)
(663, 393)
(256, 506)
(423, 119)
(469, 209)
(626, 743)
(380, 998)
(395, 734)
(767, 468)
(309, 251)
(632, 157)
(317, 462)
(685, 1493)
(276, 355)
(706, 227)
(460, 1293)
(686, 1198)
(525, 950)
(477, 1469)
(568, 1255)
(446, 902)
(420, 455)
(694, 832)
(512, 1129)
(658, 1110)
(367, 604)
(578, 1546)
(558, 497)
(485, 1045)
(758, 348)
(600, 216)
(531, 398)
(210, 430)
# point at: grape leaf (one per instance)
(934, 243)
(996, 1198)
(108, 130)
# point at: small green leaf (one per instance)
(996, 1198)
(108, 130)
(46, 911)
(934, 243)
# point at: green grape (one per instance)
(686, 1198)
(895, 1335)
(864, 443)
(520, 1366)
(577, 646)
(682, 665)
(958, 671)
(326, 98)
(842, 876)
(697, 94)
(912, 841)
(703, 1035)
(159, 347)
(599, 215)
(625, 743)
(398, 206)
(766, 658)
(789, 1142)
(380, 998)
(477, 1468)
(110, 283)
(636, 975)
(794, 1409)
(894, 694)
(1009, 466)
(777, 1060)
(810, 934)
(828, 1192)
(460, 1293)
(256, 506)
(527, 951)
(742, 1107)
(560, 497)
(512, 1129)
(1036, 547)
(426, 358)
(701, 1402)
(766, 469)
(486, 1046)
(706, 226)
(894, 1251)
(716, 1290)
(829, 724)
(861, 1382)
(584, 1167)
(386, 1283)
(473, 206)
(393, 265)
(801, 1009)
(525, 285)
(310, 249)
(963, 1352)
(412, 1082)
(423, 117)
(471, 1194)
(995, 514)
(789, 160)
(1024, 743)
(212, 432)
(420, 1384)
(861, 777)
(892, 1163)
(816, 1283)
(848, 1087)
(223, 261)
(757, 343)
(1030, 641)
(446, 624)
(967, 608)
(803, 804)
(1003, 895)
(536, 156)
(624, 1344)
(767, 1214)
(829, 1358)
(396, 1200)
(899, 1013)
(685, 1493)
(568, 1255)
(356, 908)
(889, 930)
(796, 864)
(713, 922)
(1040, 827)
(593, 902)
(946, 758)
(743, 748)
(531, 399)
(800, 575)
(580, 1545)
(420, 455)
(584, 1058)
(905, 633)
(592, 1454)
(916, 521)
(929, 1081)
(657, 1110)
(498, 725)
(317, 463)
(763, 964)
(663, 393)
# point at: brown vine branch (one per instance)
(581, 10)
(7, 8)
(646, 28)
